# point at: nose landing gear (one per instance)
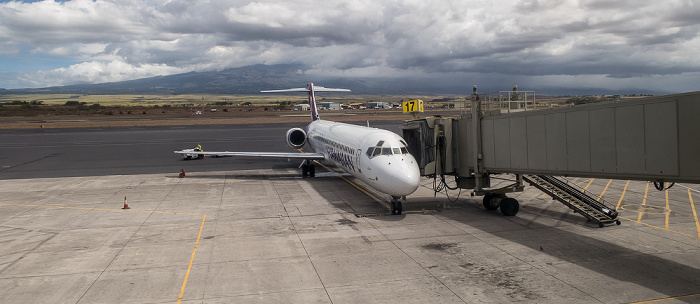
(396, 205)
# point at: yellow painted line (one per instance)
(695, 214)
(588, 180)
(666, 299)
(621, 196)
(606, 189)
(589, 184)
(187, 275)
(644, 202)
(678, 232)
(372, 214)
(668, 213)
(359, 188)
(367, 193)
(182, 291)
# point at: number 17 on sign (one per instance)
(413, 106)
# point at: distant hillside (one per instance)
(245, 80)
(252, 79)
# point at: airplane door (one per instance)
(358, 160)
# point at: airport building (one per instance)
(329, 105)
(378, 105)
(301, 107)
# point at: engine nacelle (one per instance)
(296, 137)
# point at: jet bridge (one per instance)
(654, 139)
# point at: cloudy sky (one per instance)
(606, 44)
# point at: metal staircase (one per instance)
(593, 209)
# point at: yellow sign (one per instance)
(412, 106)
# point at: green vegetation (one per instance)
(591, 99)
(75, 103)
(71, 104)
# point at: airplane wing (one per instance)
(313, 156)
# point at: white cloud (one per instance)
(637, 40)
(95, 72)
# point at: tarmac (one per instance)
(242, 231)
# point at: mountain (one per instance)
(255, 78)
(244, 80)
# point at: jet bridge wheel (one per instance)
(509, 206)
(491, 202)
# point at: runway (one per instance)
(254, 231)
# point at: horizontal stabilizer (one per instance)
(315, 156)
(316, 89)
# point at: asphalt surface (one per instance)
(138, 150)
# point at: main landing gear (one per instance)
(509, 206)
(396, 205)
(308, 168)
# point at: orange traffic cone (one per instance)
(182, 173)
(126, 206)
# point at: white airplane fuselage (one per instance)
(378, 157)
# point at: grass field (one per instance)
(52, 111)
(143, 100)
(151, 100)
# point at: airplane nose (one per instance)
(408, 179)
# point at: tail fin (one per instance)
(312, 101)
(312, 97)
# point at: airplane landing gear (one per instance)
(308, 168)
(396, 205)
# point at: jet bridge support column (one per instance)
(476, 139)
(477, 177)
(493, 198)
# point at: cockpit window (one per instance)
(380, 149)
(370, 150)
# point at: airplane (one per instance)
(375, 156)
